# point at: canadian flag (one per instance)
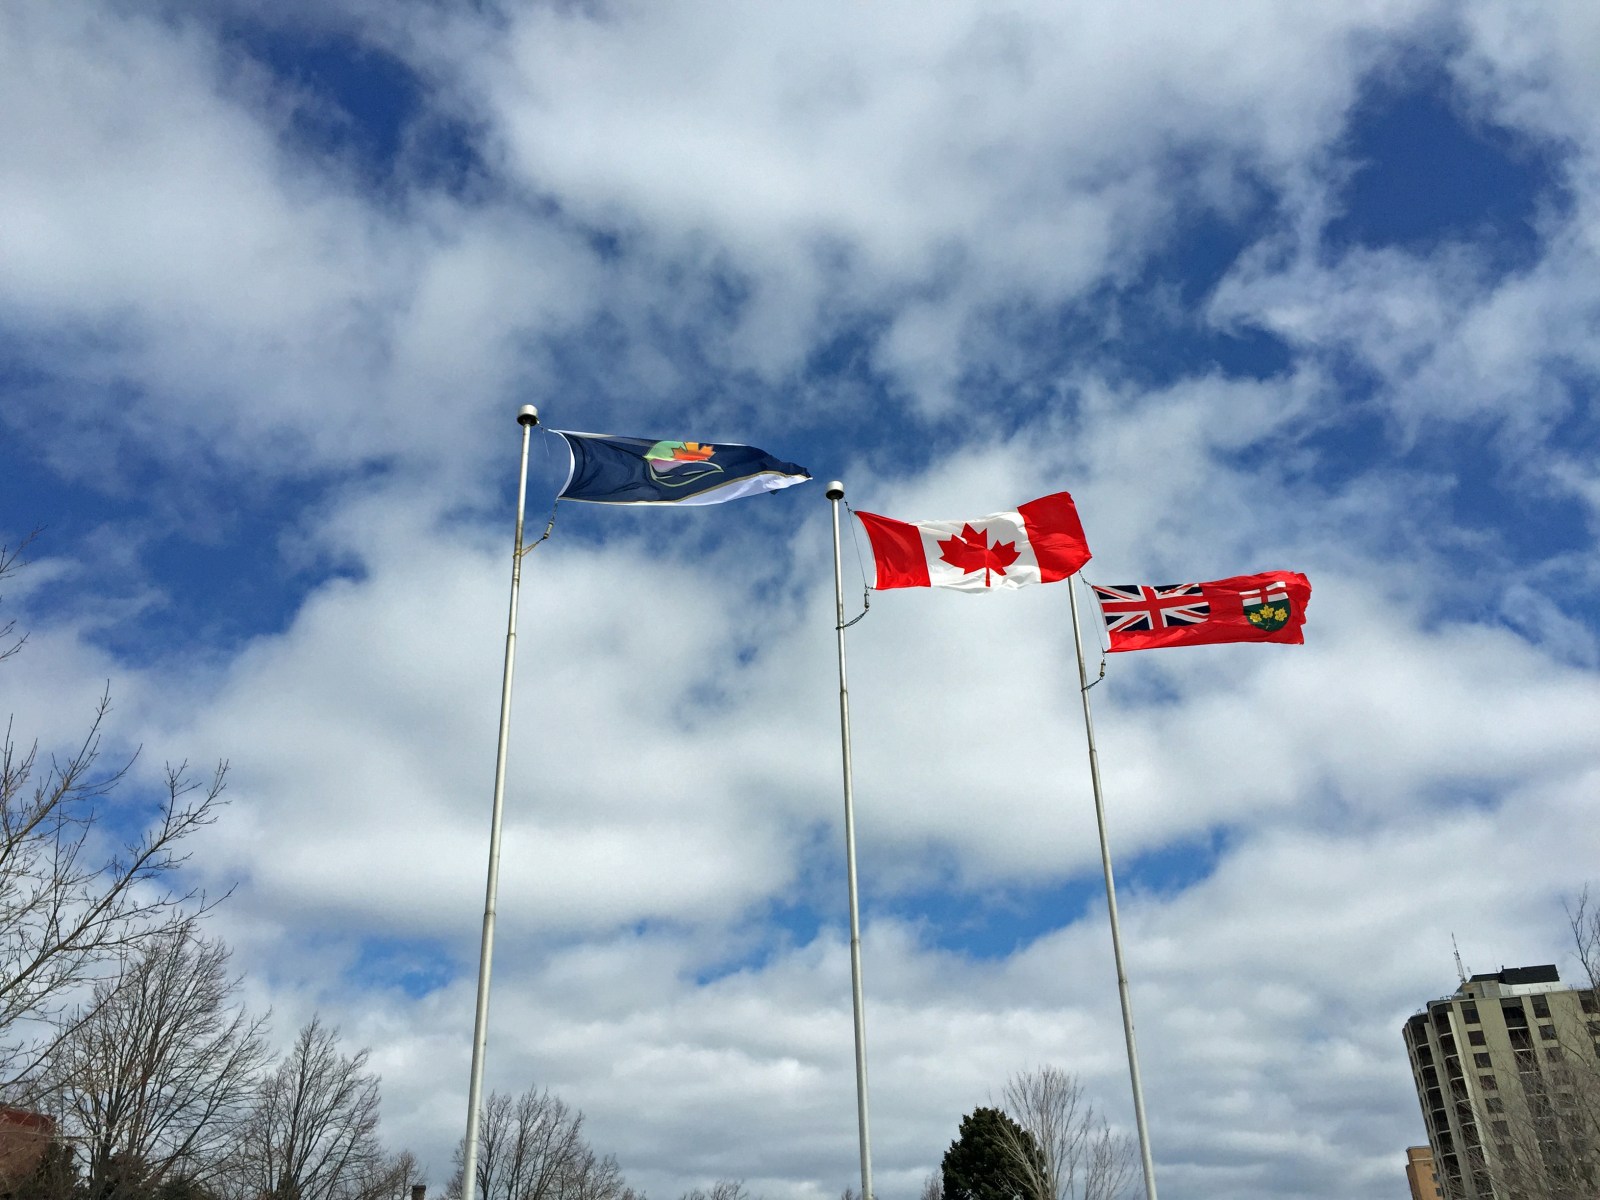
(1041, 542)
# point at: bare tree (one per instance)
(312, 1133)
(404, 1172)
(1078, 1157)
(1583, 918)
(154, 1079)
(69, 900)
(933, 1186)
(725, 1189)
(597, 1178)
(387, 1178)
(531, 1147)
(526, 1146)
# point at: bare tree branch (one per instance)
(313, 1132)
(1583, 917)
(10, 560)
(532, 1148)
(64, 908)
(1081, 1158)
(733, 1189)
(155, 1078)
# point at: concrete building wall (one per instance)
(1420, 1174)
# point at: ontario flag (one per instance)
(1245, 608)
(1041, 542)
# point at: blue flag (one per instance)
(624, 470)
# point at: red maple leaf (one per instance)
(971, 552)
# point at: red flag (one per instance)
(1041, 542)
(1246, 608)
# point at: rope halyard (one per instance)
(548, 527)
(866, 603)
(1101, 639)
(866, 588)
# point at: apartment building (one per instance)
(1508, 1074)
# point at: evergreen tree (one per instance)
(994, 1158)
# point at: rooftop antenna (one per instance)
(1461, 972)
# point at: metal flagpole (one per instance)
(835, 493)
(527, 417)
(1111, 905)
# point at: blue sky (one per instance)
(1312, 289)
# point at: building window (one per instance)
(1494, 1104)
(1553, 1053)
(1475, 1036)
(1470, 1012)
(1541, 1006)
(1589, 1002)
(1481, 1060)
(1487, 1083)
(1547, 1032)
(1502, 1129)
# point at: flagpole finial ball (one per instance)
(835, 490)
(527, 415)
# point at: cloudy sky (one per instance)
(1263, 285)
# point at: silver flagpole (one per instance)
(835, 493)
(527, 417)
(1111, 905)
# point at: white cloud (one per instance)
(954, 160)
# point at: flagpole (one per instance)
(527, 417)
(835, 493)
(1111, 906)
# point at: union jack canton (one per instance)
(1140, 608)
